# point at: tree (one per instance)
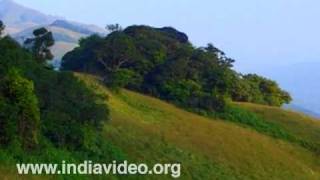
(161, 62)
(117, 50)
(22, 108)
(183, 91)
(113, 27)
(120, 78)
(223, 59)
(265, 91)
(66, 106)
(40, 44)
(2, 27)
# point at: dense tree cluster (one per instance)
(163, 63)
(254, 88)
(20, 114)
(40, 105)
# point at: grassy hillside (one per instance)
(150, 130)
(302, 126)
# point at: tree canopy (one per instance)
(40, 105)
(163, 63)
(40, 44)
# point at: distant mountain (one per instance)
(17, 17)
(59, 33)
(20, 22)
(78, 27)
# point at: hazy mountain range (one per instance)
(20, 22)
(17, 17)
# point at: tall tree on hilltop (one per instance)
(223, 59)
(40, 44)
(113, 27)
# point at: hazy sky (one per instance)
(254, 32)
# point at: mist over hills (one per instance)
(65, 39)
(78, 27)
(17, 17)
(20, 22)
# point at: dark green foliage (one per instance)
(161, 62)
(20, 114)
(113, 27)
(120, 78)
(241, 116)
(40, 44)
(38, 103)
(172, 33)
(81, 57)
(123, 52)
(68, 105)
(2, 27)
(254, 88)
(182, 90)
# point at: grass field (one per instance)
(302, 126)
(149, 130)
(152, 131)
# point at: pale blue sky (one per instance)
(256, 33)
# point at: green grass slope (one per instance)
(302, 126)
(149, 130)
